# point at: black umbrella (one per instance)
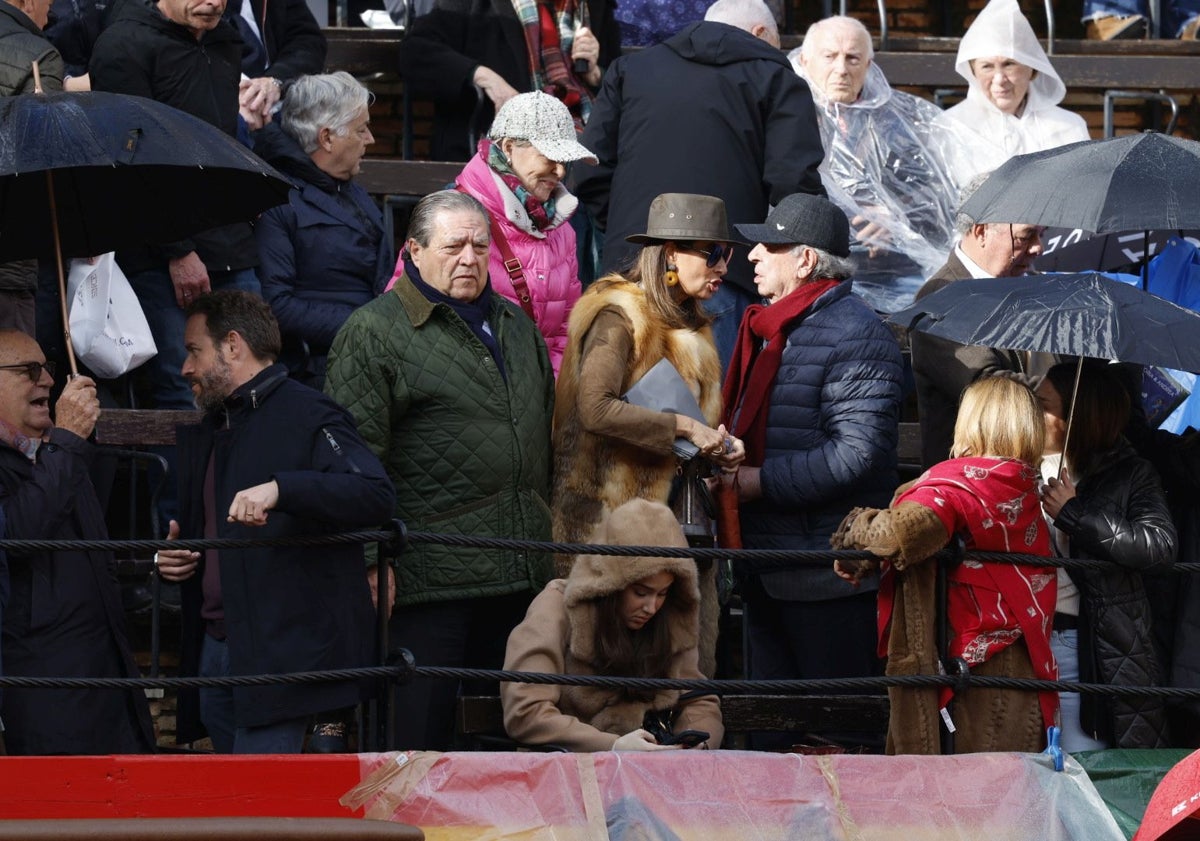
(126, 171)
(86, 173)
(1066, 314)
(1084, 314)
(1135, 182)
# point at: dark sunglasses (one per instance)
(719, 251)
(33, 370)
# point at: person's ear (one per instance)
(979, 232)
(325, 138)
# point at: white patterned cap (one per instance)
(545, 122)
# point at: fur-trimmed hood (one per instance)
(638, 522)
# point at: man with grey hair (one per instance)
(323, 254)
(453, 389)
(715, 110)
(943, 368)
(814, 390)
(883, 162)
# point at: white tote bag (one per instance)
(108, 328)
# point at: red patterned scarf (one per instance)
(990, 606)
(754, 364)
(549, 27)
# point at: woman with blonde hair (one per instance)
(999, 614)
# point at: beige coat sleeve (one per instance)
(531, 711)
(704, 713)
(606, 354)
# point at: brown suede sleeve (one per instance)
(607, 349)
(905, 535)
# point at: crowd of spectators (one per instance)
(753, 219)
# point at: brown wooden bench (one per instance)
(480, 718)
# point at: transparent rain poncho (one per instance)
(884, 163)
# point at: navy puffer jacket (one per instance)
(832, 432)
(323, 253)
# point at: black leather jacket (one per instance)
(1119, 514)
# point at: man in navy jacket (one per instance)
(271, 458)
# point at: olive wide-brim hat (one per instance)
(679, 217)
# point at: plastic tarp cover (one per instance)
(733, 795)
(1126, 779)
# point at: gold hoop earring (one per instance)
(672, 276)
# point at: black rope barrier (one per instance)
(762, 559)
(403, 672)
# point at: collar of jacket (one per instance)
(251, 394)
(420, 309)
(23, 19)
(146, 11)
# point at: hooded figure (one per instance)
(564, 631)
(1002, 118)
(884, 165)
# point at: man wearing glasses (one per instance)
(942, 368)
(63, 617)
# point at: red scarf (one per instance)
(994, 503)
(752, 369)
(549, 56)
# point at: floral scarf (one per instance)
(12, 437)
(540, 213)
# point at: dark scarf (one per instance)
(540, 213)
(549, 27)
(747, 390)
(474, 313)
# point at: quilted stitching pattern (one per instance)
(469, 453)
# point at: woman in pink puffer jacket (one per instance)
(517, 175)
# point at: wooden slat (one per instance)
(141, 427)
(383, 177)
(483, 714)
(362, 52)
(1098, 72)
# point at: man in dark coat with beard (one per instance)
(716, 109)
(272, 458)
(63, 618)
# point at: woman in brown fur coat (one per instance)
(606, 450)
(628, 617)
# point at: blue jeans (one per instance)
(1175, 13)
(156, 293)
(726, 308)
(217, 713)
(1065, 645)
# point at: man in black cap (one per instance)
(814, 390)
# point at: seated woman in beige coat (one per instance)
(627, 617)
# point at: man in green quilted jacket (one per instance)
(452, 388)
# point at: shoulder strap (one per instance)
(516, 274)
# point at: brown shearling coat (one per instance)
(985, 719)
(558, 636)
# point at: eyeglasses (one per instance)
(33, 370)
(719, 251)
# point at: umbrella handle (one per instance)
(62, 280)
(37, 78)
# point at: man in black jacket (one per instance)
(281, 41)
(271, 458)
(63, 618)
(718, 110)
(181, 53)
(466, 49)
